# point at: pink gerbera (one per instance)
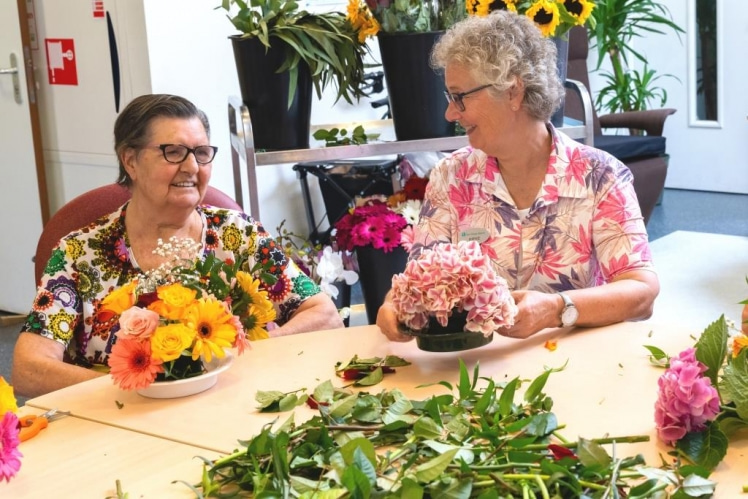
(10, 456)
(131, 363)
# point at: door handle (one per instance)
(13, 72)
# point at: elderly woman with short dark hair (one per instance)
(165, 159)
(559, 219)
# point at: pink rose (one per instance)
(136, 322)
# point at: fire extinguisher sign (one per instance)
(61, 66)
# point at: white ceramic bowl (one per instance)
(190, 386)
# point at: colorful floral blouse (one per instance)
(88, 264)
(583, 229)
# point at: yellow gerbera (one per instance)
(7, 398)
(120, 299)
(544, 13)
(173, 301)
(168, 342)
(213, 324)
(578, 9)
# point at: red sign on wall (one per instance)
(61, 61)
(98, 8)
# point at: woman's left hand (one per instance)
(533, 312)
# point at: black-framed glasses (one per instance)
(456, 98)
(177, 153)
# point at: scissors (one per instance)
(32, 425)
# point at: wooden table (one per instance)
(78, 458)
(608, 387)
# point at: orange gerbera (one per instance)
(131, 363)
(214, 326)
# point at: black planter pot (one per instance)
(450, 338)
(416, 91)
(275, 125)
(375, 271)
(562, 59)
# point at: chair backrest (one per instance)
(90, 206)
(576, 69)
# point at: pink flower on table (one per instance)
(136, 322)
(10, 456)
(687, 400)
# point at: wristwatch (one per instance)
(569, 314)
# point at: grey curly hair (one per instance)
(499, 48)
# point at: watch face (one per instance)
(570, 315)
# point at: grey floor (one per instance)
(680, 210)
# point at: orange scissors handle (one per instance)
(31, 426)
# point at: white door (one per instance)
(19, 191)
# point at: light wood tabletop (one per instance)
(608, 387)
(73, 457)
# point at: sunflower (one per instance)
(215, 331)
(482, 8)
(579, 9)
(545, 14)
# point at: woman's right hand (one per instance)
(387, 322)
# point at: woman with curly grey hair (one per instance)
(559, 219)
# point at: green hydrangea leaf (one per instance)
(705, 448)
(712, 348)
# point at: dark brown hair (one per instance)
(132, 128)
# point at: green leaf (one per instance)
(731, 425)
(506, 400)
(542, 424)
(734, 385)
(486, 400)
(432, 469)
(696, 486)
(288, 402)
(705, 448)
(395, 361)
(370, 379)
(324, 392)
(592, 454)
(343, 406)
(426, 427)
(268, 398)
(657, 356)
(536, 387)
(410, 490)
(712, 348)
(451, 489)
(465, 386)
(465, 454)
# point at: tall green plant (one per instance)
(618, 22)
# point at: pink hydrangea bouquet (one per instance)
(702, 400)
(448, 278)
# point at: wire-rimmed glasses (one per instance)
(456, 98)
(177, 153)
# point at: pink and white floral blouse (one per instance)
(583, 229)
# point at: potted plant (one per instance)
(281, 53)
(379, 230)
(618, 22)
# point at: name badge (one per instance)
(474, 234)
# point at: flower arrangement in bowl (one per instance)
(171, 324)
(451, 298)
(702, 398)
